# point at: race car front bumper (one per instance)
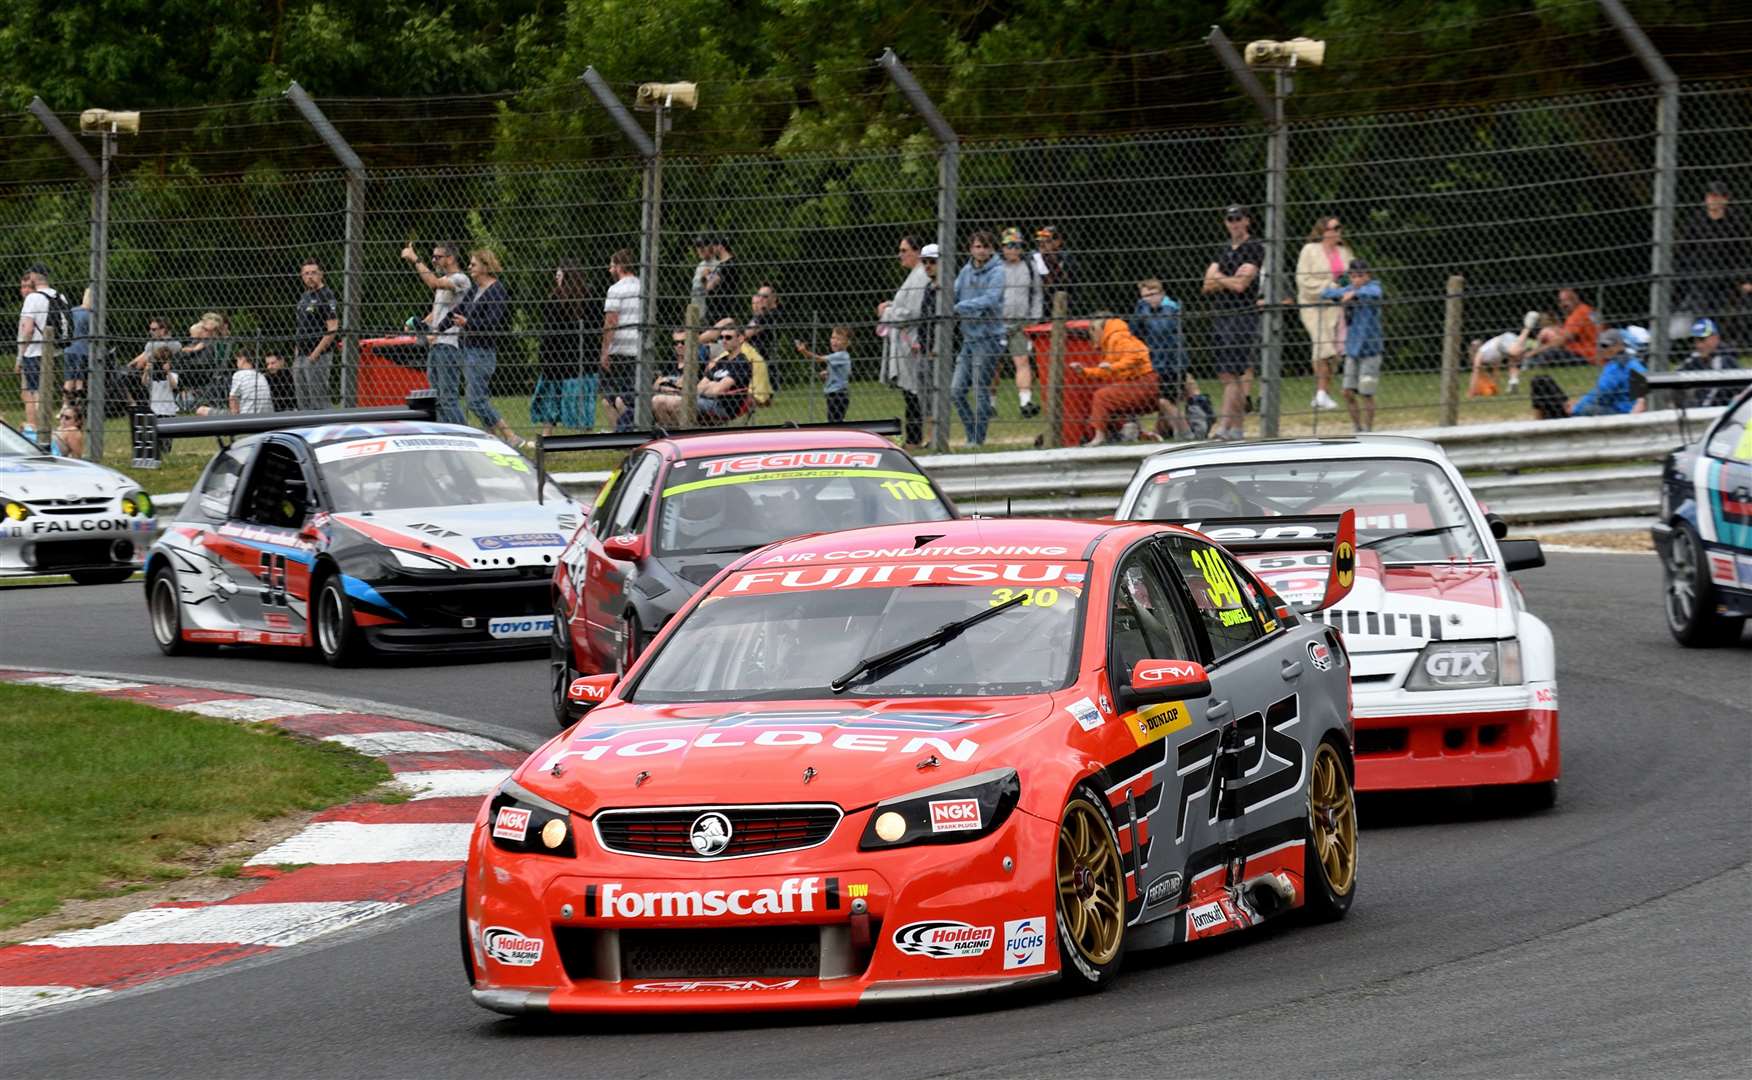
(612, 933)
(503, 612)
(56, 544)
(1407, 740)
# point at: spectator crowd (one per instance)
(1126, 376)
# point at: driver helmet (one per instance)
(1212, 496)
(700, 511)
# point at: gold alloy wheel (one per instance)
(1332, 820)
(1091, 885)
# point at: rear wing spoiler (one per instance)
(1337, 534)
(1681, 381)
(150, 430)
(628, 440)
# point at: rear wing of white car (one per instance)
(151, 432)
(1334, 533)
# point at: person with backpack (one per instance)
(43, 309)
(484, 317)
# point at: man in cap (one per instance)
(1713, 260)
(1051, 261)
(1710, 353)
(1022, 305)
(1614, 392)
(706, 250)
(1232, 282)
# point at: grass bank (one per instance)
(102, 797)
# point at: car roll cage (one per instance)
(628, 440)
(150, 429)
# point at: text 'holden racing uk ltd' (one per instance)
(883, 765)
(1453, 677)
(684, 504)
(357, 531)
(61, 515)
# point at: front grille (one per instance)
(754, 830)
(715, 953)
(1381, 740)
(63, 554)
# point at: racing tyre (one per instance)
(1690, 595)
(108, 576)
(1329, 866)
(338, 637)
(164, 606)
(1091, 895)
(468, 967)
(561, 671)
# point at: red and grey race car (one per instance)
(684, 504)
(913, 761)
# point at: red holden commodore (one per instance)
(683, 505)
(906, 761)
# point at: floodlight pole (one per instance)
(98, 174)
(650, 227)
(948, 186)
(1277, 168)
(1666, 186)
(353, 254)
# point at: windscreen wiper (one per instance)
(877, 663)
(1433, 530)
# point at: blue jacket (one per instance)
(1362, 338)
(979, 299)
(1612, 389)
(1159, 329)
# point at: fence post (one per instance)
(690, 365)
(353, 224)
(1451, 315)
(1055, 370)
(650, 204)
(948, 188)
(1666, 167)
(99, 268)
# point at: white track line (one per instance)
(262, 708)
(19, 999)
(331, 843)
(80, 683)
(225, 924)
(452, 783)
(383, 743)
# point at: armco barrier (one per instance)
(1529, 471)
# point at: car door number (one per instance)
(273, 578)
(1242, 755)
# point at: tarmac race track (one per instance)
(1608, 937)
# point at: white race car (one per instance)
(65, 516)
(1453, 679)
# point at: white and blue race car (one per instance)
(357, 531)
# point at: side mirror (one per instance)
(1498, 527)
(1521, 554)
(628, 547)
(1155, 681)
(588, 692)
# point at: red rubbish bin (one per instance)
(1077, 392)
(390, 369)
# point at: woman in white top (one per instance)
(1324, 259)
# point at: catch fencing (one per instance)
(1471, 216)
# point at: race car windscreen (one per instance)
(789, 632)
(12, 444)
(1407, 510)
(747, 501)
(411, 471)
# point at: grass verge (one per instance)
(103, 797)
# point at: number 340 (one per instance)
(1030, 597)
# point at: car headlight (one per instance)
(1454, 665)
(16, 511)
(137, 504)
(413, 560)
(950, 813)
(520, 820)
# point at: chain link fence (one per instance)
(1515, 200)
